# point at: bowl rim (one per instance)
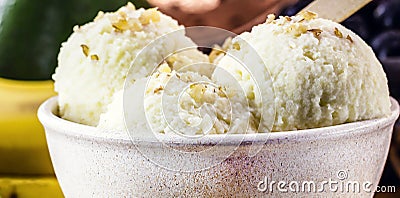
(49, 119)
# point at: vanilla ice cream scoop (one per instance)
(94, 61)
(321, 73)
(172, 102)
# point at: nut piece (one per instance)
(149, 15)
(338, 33)
(215, 53)
(236, 46)
(164, 68)
(308, 15)
(197, 91)
(270, 18)
(316, 32)
(99, 16)
(134, 24)
(158, 90)
(349, 38)
(85, 49)
(94, 57)
(123, 24)
(170, 61)
(296, 29)
(130, 6)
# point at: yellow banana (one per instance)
(46, 187)
(23, 147)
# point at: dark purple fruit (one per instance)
(387, 13)
(387, 44)
(363, 22)
(391, 65)
(387, 47)
(357, 24)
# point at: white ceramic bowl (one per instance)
(93, 163)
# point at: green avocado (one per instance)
(31, 32)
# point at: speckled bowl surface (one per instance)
(344, 160)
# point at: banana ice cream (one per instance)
(94, 61)
(322, 73)
(174, 102)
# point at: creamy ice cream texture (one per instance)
(94, 61)
(296, 73)
(174, 102)
(322, 73)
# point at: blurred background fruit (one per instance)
(31, 187)
(23, 147)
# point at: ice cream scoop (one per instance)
(322, 73)
(93, 62)
(173, 102)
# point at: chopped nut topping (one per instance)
(123, 14)
(270, 18)
(149, 15)
(316, 32)
(227, 43)
(221, 91)
(135, 24)
(338, 33)
(158, 89)
(251, 96)
(164, 68)
(130, 6)
(100, 15)
(308, 15)
(171, 60)
(85, 49)
(296, 29)
(123, 24)
(94, 57)
(197, 92)
(288, 18)
(236, 46)
(349, 38)
(215, 52)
